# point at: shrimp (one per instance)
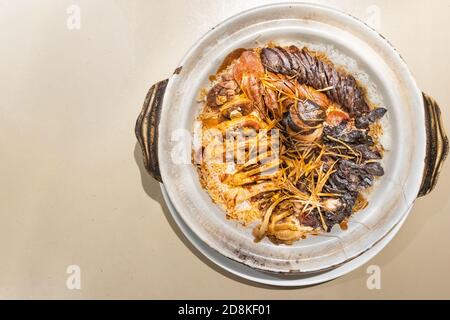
(247, 72)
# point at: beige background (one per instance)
(72, 189)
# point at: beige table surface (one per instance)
(72, 190)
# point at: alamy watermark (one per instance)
(373, 16)
(374, 280)
(73, 21)
(73, 281)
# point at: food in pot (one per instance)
(287, 142)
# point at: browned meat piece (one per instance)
(342, 209)
(367, 153)
(374, 168)
(222, 92)
(354, 177)
(310, 219)
(239, 104)
(318, 74)
(347, 201)
(344, 134)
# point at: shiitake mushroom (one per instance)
(303, 120)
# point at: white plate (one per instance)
(254, 275)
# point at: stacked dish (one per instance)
(414, 143)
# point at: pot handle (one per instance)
(437, 145)
(146, 129)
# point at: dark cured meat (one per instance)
(367, 153)
(366, 120)
(353, 177)
(348, 200)
(318, 74)
(342, 133)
